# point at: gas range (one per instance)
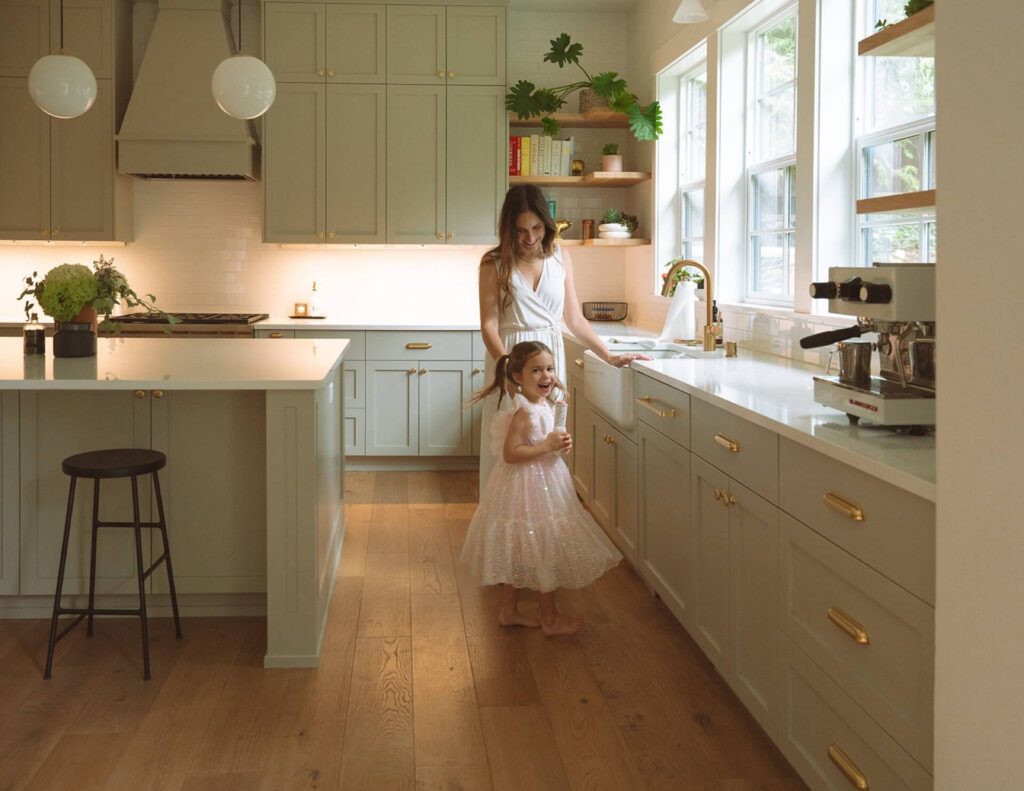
(208, 325)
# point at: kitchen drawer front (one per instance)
(356, 341)
(353, 384)
(818, 716)
(275, 334)
(896, 533)
(745, 451)
(355, 432)
(419, 345)
(479, 350)
(663, 408)
(828, 598)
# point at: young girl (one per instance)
(529, 530)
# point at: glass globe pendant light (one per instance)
(243, 86)
(61, 85)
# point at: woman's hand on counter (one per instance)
(619, 360)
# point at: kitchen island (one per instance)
(253, 487)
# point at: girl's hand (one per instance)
(558, 441)
(619, 360)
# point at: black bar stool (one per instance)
(113, 463)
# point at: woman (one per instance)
(527, 292)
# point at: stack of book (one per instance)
(540, 155)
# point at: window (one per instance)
(895, 145)
(771, 160)
(693, 92)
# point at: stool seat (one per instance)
(114, 463)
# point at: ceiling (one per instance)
(572, 5)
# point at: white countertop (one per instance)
(411, 322)
(175, 364)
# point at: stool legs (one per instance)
(60, 581)
(92, 556)
(142, 578)
(167, 554)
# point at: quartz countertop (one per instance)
(175, 364)
(411, 322)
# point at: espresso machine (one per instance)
(897, 301)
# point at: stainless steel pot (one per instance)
(855, 362)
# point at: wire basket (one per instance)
(604, 311)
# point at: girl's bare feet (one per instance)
(517, 618)
(562, 625)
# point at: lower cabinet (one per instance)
(583, 440)
(10, 485)
(613, 499)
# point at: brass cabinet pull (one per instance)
(417, 346)
(608, 440)
(579, 363)
(440, 74)
(140, 393)
(44, 232)
(729, 499)
(450, 236)
(451, 75)
(320, 72)
(849, 769)
(728, 443)
(330, 234)
(320, 235)
(848, 625)
(440, 236)
(477, 371)
(158, 394)
(423, 371)
(330, 72)
(411, 371)
(55, 232)
(718, 493)
(841, 505)
(277, 335)
(648, 403)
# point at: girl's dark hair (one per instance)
(511, 364)
(519, 199)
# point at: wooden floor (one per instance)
(418, 686)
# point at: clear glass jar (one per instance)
(34, 336)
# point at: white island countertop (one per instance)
(386, 322)
(175, 364)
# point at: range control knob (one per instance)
(876, 293)
(826, 290)
(850, 289)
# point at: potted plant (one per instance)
(611, 159)
(528, 101)
(612, 226)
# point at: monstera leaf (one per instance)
(564, 51)
(550, 126)
(645, 122)
(607, 84)
(622, 102)
(526, 101)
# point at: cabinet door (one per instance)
(477, 140)
(24, 163)
(216, 530)
(416, 164)
(293, 165)
(446, 426)
(24, 36)
(10, 483)
(392, 408)
(356, 36)
(82, 172)
(416, 45)
(476, 46)
(709, 512)
(356, 116)
(602, 492)
(55, 425)
(665, 540)
(573, 384)
(295, 41)
(477, 383)
(355, 432)
(88, 33)
(626, 514)
(583, 443)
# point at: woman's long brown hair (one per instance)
(519, 199)
(513, 363)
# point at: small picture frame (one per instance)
(301, 309)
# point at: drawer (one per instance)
(275, 333)
(573, 351)
(827, 597)
(425, 345)
(663, 408)
(356, 340)
(353, 383)
(355, 432)
(819, 719)
(741, 449)
(479, 350)
(895, 531)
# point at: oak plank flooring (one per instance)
(418, 686)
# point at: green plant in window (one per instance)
(913, 6)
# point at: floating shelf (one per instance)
(907, 201)
(596, 179)
(603, 242)
(594, 119)
(913, 37)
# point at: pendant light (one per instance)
(61, 85)
(243, 86)
(690, 11)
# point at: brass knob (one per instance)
(579, 363)
(277, 335)
(451, 236)
(422, 371)
(440, 74)
(320, 235)
(451, 75)
(158, 394)
(320, 72)
(140, 393)
(55, 232)
(330, 234)
(440, 236)
(330, 72)
(44, 232)
(411, 371)
(477, 371)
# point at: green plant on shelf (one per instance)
(611, 216)
(610, 149)
(527, 101)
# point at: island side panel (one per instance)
(9, 485)
(305, 518)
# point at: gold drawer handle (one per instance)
(728, 443)
(277, 335)
(841, 505)
(579, 363)
(417, 346)
(648, 403)
(158, 394)
(848, 625)
(140, 393)
(608, 440)
(849, 769)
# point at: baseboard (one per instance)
(194, 605)
(410, 463)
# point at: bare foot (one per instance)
(517, 619)
(562, 625)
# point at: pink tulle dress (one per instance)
(530, 530)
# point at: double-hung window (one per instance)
(771, 160)
(895, 148)
(693, 94)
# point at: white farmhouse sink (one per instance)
(610, 390)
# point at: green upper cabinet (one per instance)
(416, 164)
(453, 45)
(356, 43)
(476, 140)
(30, 29)
(356, 122)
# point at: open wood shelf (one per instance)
(596, 179)
(593, 119)
(603, 242)
(907, 201)
(913, 37)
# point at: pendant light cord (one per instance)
(239, 26)
(61, 27)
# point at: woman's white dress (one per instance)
(531, 316)
(530, 530)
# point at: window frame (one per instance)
(688, 238)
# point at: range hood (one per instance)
(173, 128)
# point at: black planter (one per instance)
(73, 339)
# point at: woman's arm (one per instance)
(518, 450)
(572, 316)
(490, 309)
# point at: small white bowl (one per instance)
(612, 226)
(614, 235)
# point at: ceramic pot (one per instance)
(611, 163)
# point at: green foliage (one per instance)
(112, 289)
(881, 24)
(528, 101)
(913, 6)
(612, 215)
(610, 149)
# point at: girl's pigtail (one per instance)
(498, 385)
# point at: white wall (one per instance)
(979, 680)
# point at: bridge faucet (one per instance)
(709, 326)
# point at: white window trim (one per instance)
(751, 297)
(686, 128)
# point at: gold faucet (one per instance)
(709, 326)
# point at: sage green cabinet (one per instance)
(416, 164)
(10, 484)
(453, 45)
(710, 530)
(355, 203)
(583, 441)
(30, 29)
(416, 45)
(475, 177)
(613, 500)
